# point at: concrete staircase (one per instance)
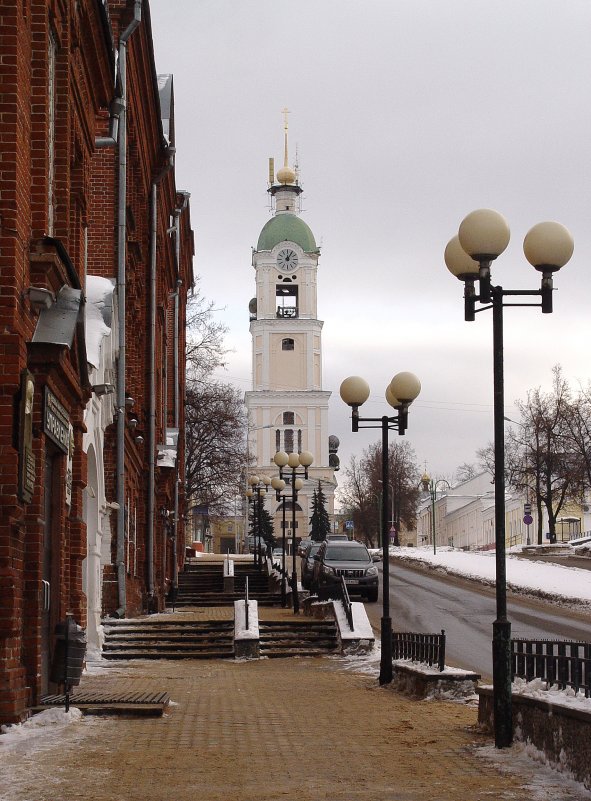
(203, 585)
(297, 637)
(157, 639)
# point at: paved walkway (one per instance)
(303, 729)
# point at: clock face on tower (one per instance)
(287, 260)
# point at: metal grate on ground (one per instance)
(97, 702)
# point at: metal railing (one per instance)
(562, 662)
(427, 648)
(338, 592)
(246, 623)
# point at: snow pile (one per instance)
(549, 580)
(240, 630)
(37, 725)
(545, 781)
(537, 688)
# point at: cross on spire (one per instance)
(285, 112)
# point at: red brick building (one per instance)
(87, 194)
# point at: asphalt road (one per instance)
(428, 602)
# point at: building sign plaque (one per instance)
(56, 421)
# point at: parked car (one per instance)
(307, 564)
(351, 560)
(338, 537)
(277, 555)
(302, 545)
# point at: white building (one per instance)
(101, 348)
(287, 407)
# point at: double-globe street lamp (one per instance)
(483, 235)
(400, 393)
(292, 462)
(430, 486)
(256, 491)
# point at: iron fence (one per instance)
(561, 662)
(427, 648)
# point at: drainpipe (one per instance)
(177, 216)
(121, 285)
(152, 373)
(115, 111)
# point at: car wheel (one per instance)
(372, 596)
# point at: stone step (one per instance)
(133, 643)
(175, 654)
(283, 653)
(160, 625)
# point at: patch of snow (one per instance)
(38, 724)
(362, 629)
(553, 695)
(550, 580)
(543, 780)
(240, 630)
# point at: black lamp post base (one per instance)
(386, 655)
(294, 593)
(501, 653)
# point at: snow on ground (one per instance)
(38, 725)
(541, 578)
(545, 781)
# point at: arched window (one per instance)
(287, 344)
(288, 418)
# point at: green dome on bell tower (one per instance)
(290, 228)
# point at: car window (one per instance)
(312, 549)
(343, 553)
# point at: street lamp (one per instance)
(430, 486)
(279, 485)
(400, 393)
(293, 461)
(483, 235)
(258, 485)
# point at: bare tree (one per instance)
(540, 458)
(362, 490)
(205, 337)
(215, 444)
(465, 472)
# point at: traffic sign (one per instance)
(528, 520)
(527, 508)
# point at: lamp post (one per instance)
(279, 485)
(293, 461)
(430, 486)
(483, 235)
(392, 518)
(258, 486)
(400, 393)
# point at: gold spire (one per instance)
(285, 175)
(285, 112)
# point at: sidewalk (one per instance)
(303, 729)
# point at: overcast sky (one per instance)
(406, 116)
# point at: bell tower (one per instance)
(287, 407)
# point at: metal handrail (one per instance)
(246, 605)
(338, 592)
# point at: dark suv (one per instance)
(351, 560)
